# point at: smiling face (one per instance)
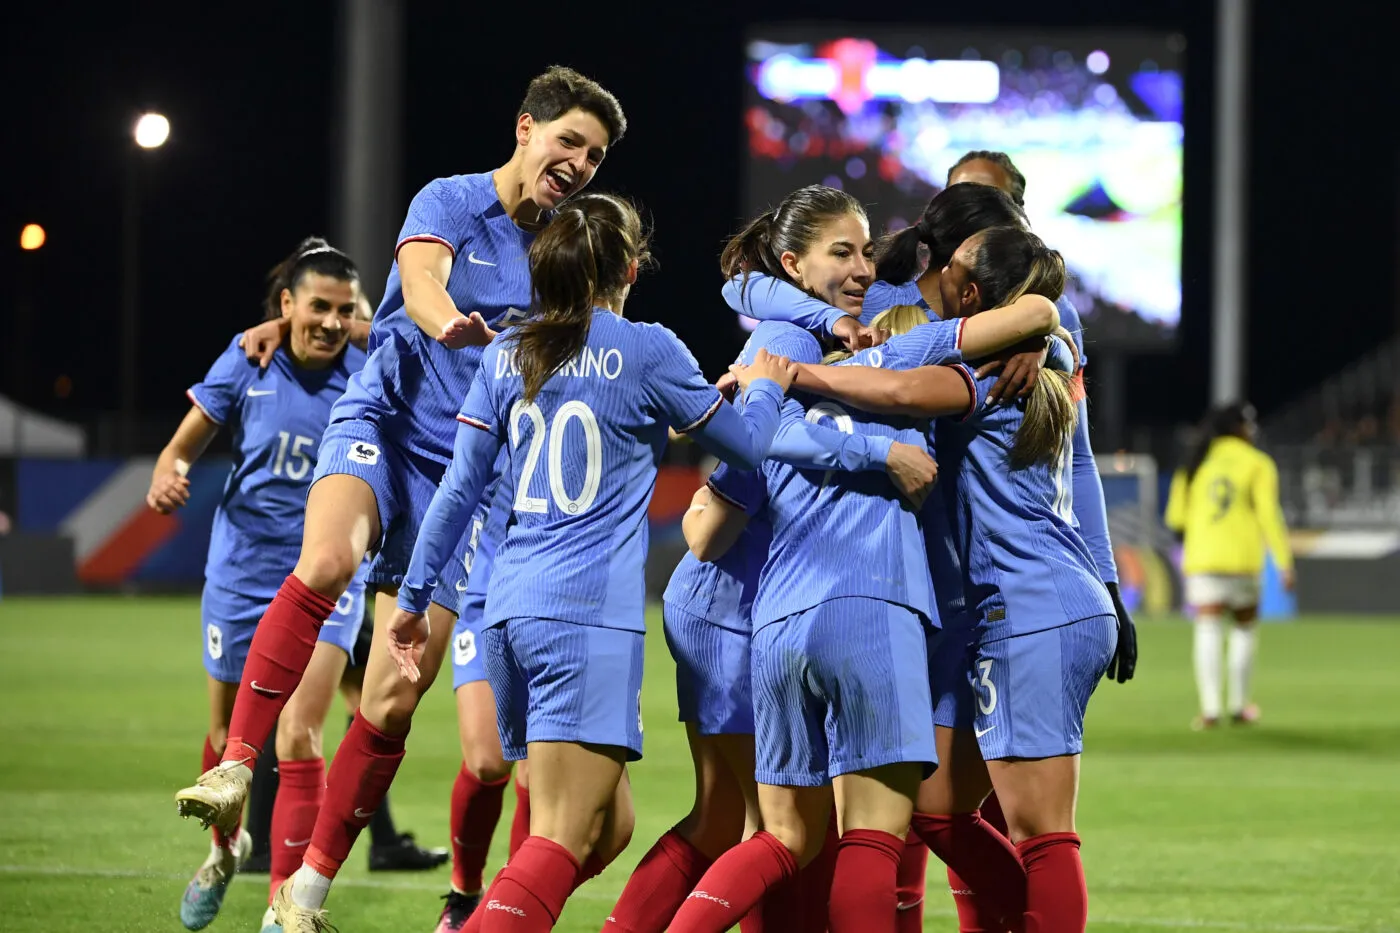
(839, 265)
(559, 157)
(320, 309)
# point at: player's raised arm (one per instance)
(424, 267)
(925, 392)
(996, 330)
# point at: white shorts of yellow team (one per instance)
(1231, 590)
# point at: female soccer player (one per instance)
(1225, 504)
(388, 443)
(277, 417)
(1045, 627)
(564, 650)
(706, 612)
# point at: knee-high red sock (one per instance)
(658, 886)
(1057, 899)
(909, 886)
(862, 893)
(210, 759)
(988, 882)
(529, 893)
(281, 649)
(977, 915)
(734, 884)
(476, 809)
(520, 823)
(301, 789)
(811, 890)
(363, 768)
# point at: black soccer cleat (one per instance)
(455, 912)
(405, 855)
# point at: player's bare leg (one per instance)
(1039, 799)
(341, 521)
(1243, 642)
(204, 895)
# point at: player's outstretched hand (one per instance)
(169, 491)
(1124, 662)
(260, 342)
(912, 471)
(466, 331)
(856, 336)
(408, 636)
(765, 365)
(1019, 368)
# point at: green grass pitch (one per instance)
(1288, 826)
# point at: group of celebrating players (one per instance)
(868, 642)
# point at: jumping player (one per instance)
(277, 417)
(462, 251)
(564, 651)
(1224, 503)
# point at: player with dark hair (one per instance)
(985, 167)
(564, 650)
(1224, 503)
(1016, 675)
(277, 417)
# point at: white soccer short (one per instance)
(1231, 590)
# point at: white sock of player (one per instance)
(309, 888)
(1207, 653)
(1243, 640)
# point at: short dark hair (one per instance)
(1017, 181)
(561, 89)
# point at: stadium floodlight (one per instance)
(152, 130)
(32, 237)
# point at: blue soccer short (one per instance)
(229, 620)
(468, 665)
(403, 483)
(562, 682)
(1024, 696)
(714, 688)
(839, 688)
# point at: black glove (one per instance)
(1124, 662)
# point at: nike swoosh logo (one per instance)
(254, 393)
(265, 691)
(471, 257)
(978, 733)
(292, 845)
(362, 815)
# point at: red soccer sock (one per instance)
(301, 789)
(591, 868)
(811, 894)
(1057, 899)
(862, 893)
(659, 886)
(520, 823)
(363, 768)
(281, 649)
(529, 893)
(909, 886)
(210, 759)
(734, 884)
(984, 871)
(473, 924)
(476, 809)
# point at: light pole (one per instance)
(150, 132)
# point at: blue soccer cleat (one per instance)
(204, 895)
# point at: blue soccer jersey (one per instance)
(770, 299)
(881, 296)
(277, 417)
(411, 385)
(835, 534)
(583, 457)
(1026, 565)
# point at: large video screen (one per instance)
(1093, 122)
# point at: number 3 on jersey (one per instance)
(523, 411)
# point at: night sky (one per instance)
(249, 170)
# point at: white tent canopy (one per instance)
(25, 433)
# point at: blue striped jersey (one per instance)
(834, 534)
(884, 295)
(411, 385)
(582, 459)
(277, 417)
(1025, 563)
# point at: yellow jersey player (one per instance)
(1225, 505)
